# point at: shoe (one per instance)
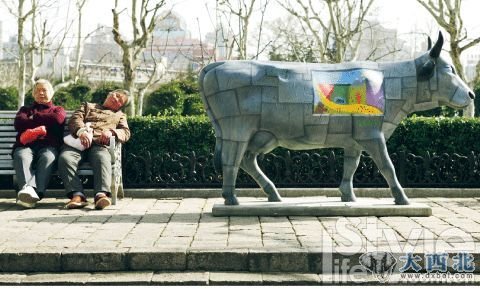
(32, 134)
(26, 205)
(102, 201)
(28, 195)
(77, 202)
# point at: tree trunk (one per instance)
(22, 66)
(141, 96)
(78, 54)
(129, 78)
(469, 111)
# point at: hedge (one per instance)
(179, 134)
(173, 134)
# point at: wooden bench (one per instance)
(7, 140)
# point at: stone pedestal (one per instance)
(323, 207)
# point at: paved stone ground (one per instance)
(152, 235)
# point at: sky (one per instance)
(404, 15)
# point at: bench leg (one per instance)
(114, 191)
(121, 193)
(117, 188)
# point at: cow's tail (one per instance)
(202, 78)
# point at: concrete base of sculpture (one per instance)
(324, 207)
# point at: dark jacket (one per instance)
(49, 115)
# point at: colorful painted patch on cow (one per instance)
(355, 91)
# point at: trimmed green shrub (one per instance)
(100, 94)
(436, 134)
(170, 134)
(179, 96)
(476, 90)
(80, 92)
(416, 135)
(63, 98)
(167, 100)
(8, 98)
(193, 105)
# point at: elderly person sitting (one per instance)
(40, 133)
(106, 121)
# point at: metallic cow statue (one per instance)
(257, 106)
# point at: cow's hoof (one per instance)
(402, 201)
(349, 198)
(231, 201)
(274, 198)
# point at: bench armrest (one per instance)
(115, 150)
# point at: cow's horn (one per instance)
(429, 41)
(435, 52)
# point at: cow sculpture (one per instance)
(257, 106)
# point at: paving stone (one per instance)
(156, 259)
(279, 259)
(90, 238)
(12, 278)
(173, 241)
(56, 279)
(290, 279)
(217, 259)
(94, 259)
(206, 244)
(245, 244)
(180, 278)
(33, 259)
(235, 278)
(123, 278)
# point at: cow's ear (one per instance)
(429, 43)
(435, 51)
(426, 70)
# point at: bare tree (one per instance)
(447, 13)
(79, 49)
(335, 25)
(36, 45)
(152, 79)
(21, 17)
(242, 10)
(291, 41)
(142, 32)
(38, 37)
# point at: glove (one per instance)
(31, 135)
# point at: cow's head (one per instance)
(438, 75)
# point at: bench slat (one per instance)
(6, 121)
(7, 172)
(5, 151)
(8, 134)
(6, 163)
(6, 145)
(7, 140)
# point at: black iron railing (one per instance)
(302, 169)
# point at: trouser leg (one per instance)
(100, 159)
(67, 166)
(22, 163)
(45, 163)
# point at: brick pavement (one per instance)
(181, 234)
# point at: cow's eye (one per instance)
(453, 69)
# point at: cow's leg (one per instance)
(378, 151)
(232, 154)
(250, 165)
(351, 158)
